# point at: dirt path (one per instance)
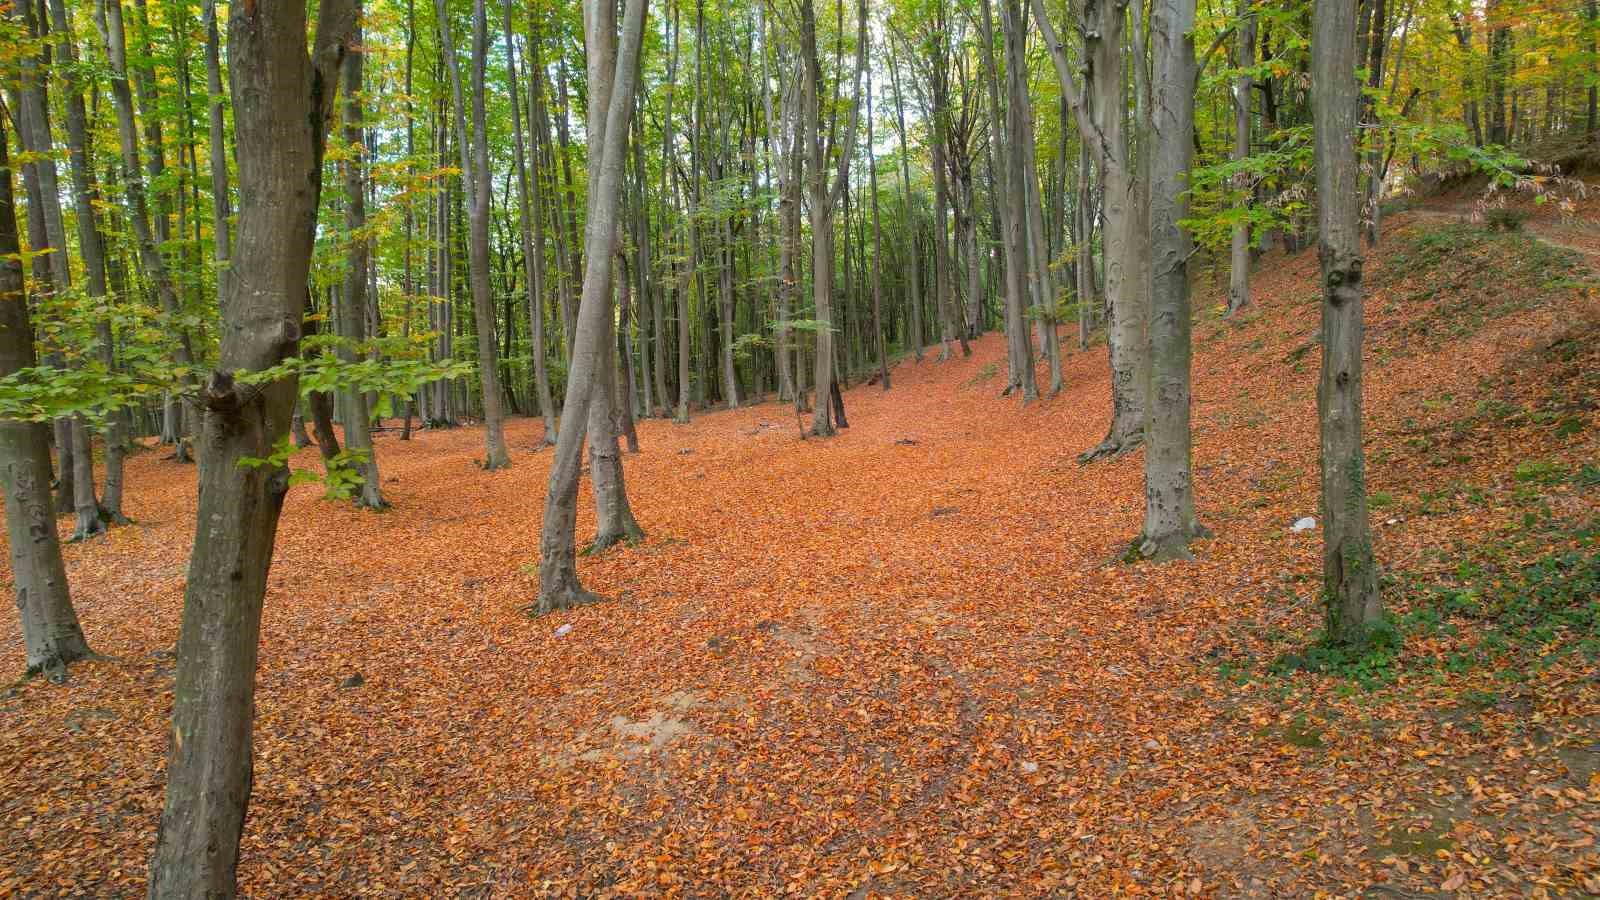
(1575, 233)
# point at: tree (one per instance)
(1099, 111)
(352, 307)
(476, 186)
(1349, 574)
(1239, 261)
(282, 101)
(1169, 520)
(1019, 350)
(614, 60)
(824, 193)
(532, 232)
(50, 630)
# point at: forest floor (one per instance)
(908, 660)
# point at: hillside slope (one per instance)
(904, 661)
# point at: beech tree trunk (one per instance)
(149, 242)
(877, 251)
(825, 195)
(91, 249)
(1243, 84)
(1169, 518)
(532, 233)
(281, 102)
(1350, 576)
(913, 216)
(1100, 118)
(475, 185)
(50, 631)
(353, 301)
(611, 99)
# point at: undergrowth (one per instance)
(1512, 606)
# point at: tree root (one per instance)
(1113, 447)
(568, 596)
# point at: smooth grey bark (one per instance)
(671, 90)
(34, 132)
(914, 298)
(943, 270)
(51, 635)
(614, 519)
(282, 101)
(475, 186)
(1169, 519)
(1243, 84)
(353, 300)
(1350, 575)
(532, 233)
(612, 100)
(1100, 119)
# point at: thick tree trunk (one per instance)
(1350, 576)
(1169, 519)
(611, 96)
(614, 521)
(281, 102)
(51, 635)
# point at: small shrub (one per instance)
(1505, 218)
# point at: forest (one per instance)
(847, 449)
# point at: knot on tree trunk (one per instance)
(221, 395)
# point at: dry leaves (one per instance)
(891, 663)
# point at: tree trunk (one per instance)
(50, 631)
(149, 242)
(1100, 121)
(1031, 209)
(281, 102)
(475, 183)
(1350, 577)
(877, 251)
(532, 233)
(611, 102)
(91, 249)
(1243, 84)
(824, 196)
(1169, 519)
(915, 296)
(353, 301)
